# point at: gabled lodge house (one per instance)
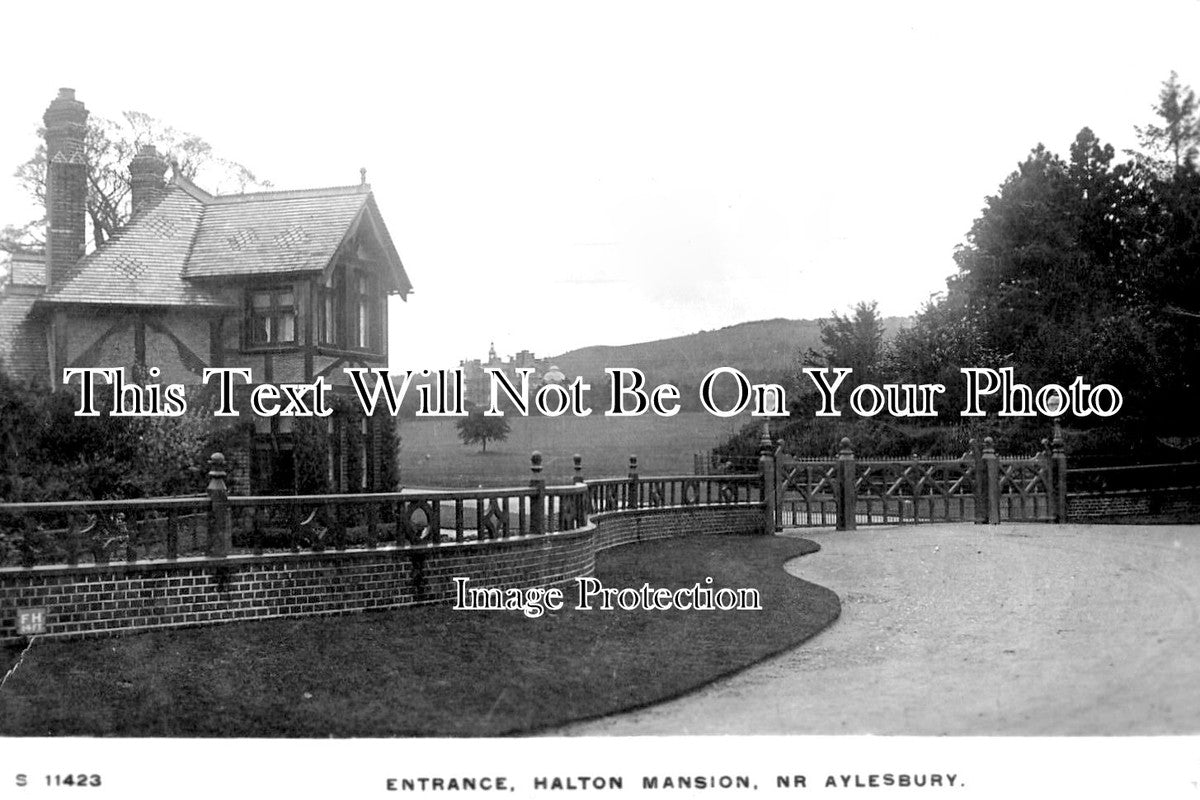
(290, 284)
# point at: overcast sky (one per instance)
(557, 174)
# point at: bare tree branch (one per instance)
(109, 146)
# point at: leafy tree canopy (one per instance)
(1177, 135)
(1082, 266)
(475, 428)
(854, 340)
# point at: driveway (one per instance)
(973, 629)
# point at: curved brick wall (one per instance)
(112, 598)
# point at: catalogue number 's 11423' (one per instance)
(69, 779)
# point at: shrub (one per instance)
(48, 453)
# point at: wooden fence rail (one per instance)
(219, 525)
(846, 491)
(980, 486)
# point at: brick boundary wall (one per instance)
(1083, 505)
(115, 598)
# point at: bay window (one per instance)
(331, 310)
(365, 302)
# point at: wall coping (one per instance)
(1129, 492)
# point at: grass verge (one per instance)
(428, 671)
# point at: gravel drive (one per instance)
(965, 629)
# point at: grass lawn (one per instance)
(431, 453)
(428, 671)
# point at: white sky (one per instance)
(558, 174)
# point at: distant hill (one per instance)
(767, 350)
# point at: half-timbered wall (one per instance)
(182, 343)
(174, 341)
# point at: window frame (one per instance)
(352, 292)
(330, 297)
(273, 314)
(366, 305)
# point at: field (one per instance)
(431, 454)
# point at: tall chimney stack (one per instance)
(66, 184)
(146, 172)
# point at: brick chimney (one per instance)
(66, 184)
(146, 172)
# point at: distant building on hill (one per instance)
(477, 384)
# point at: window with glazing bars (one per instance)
(271, 316)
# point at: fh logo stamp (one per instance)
(31, 621)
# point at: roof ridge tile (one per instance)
(187, 254)
(290, 194)
(192, 189)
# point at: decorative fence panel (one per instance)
(218, 525)
(320, 522)
(891, 492)
(672, 491)
(807, 493)
(1026, 490)
(845, 492)
(103, 531)
(979, 487)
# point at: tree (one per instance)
(854, 341)
(109, 146)
(1179, 134)
(1058, 251)
(944, 338)
(1080, 266)
(475, 427)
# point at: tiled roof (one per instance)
(142, 264)
(166, 253)
(22, 337)
(273, 232)
(27, 269)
